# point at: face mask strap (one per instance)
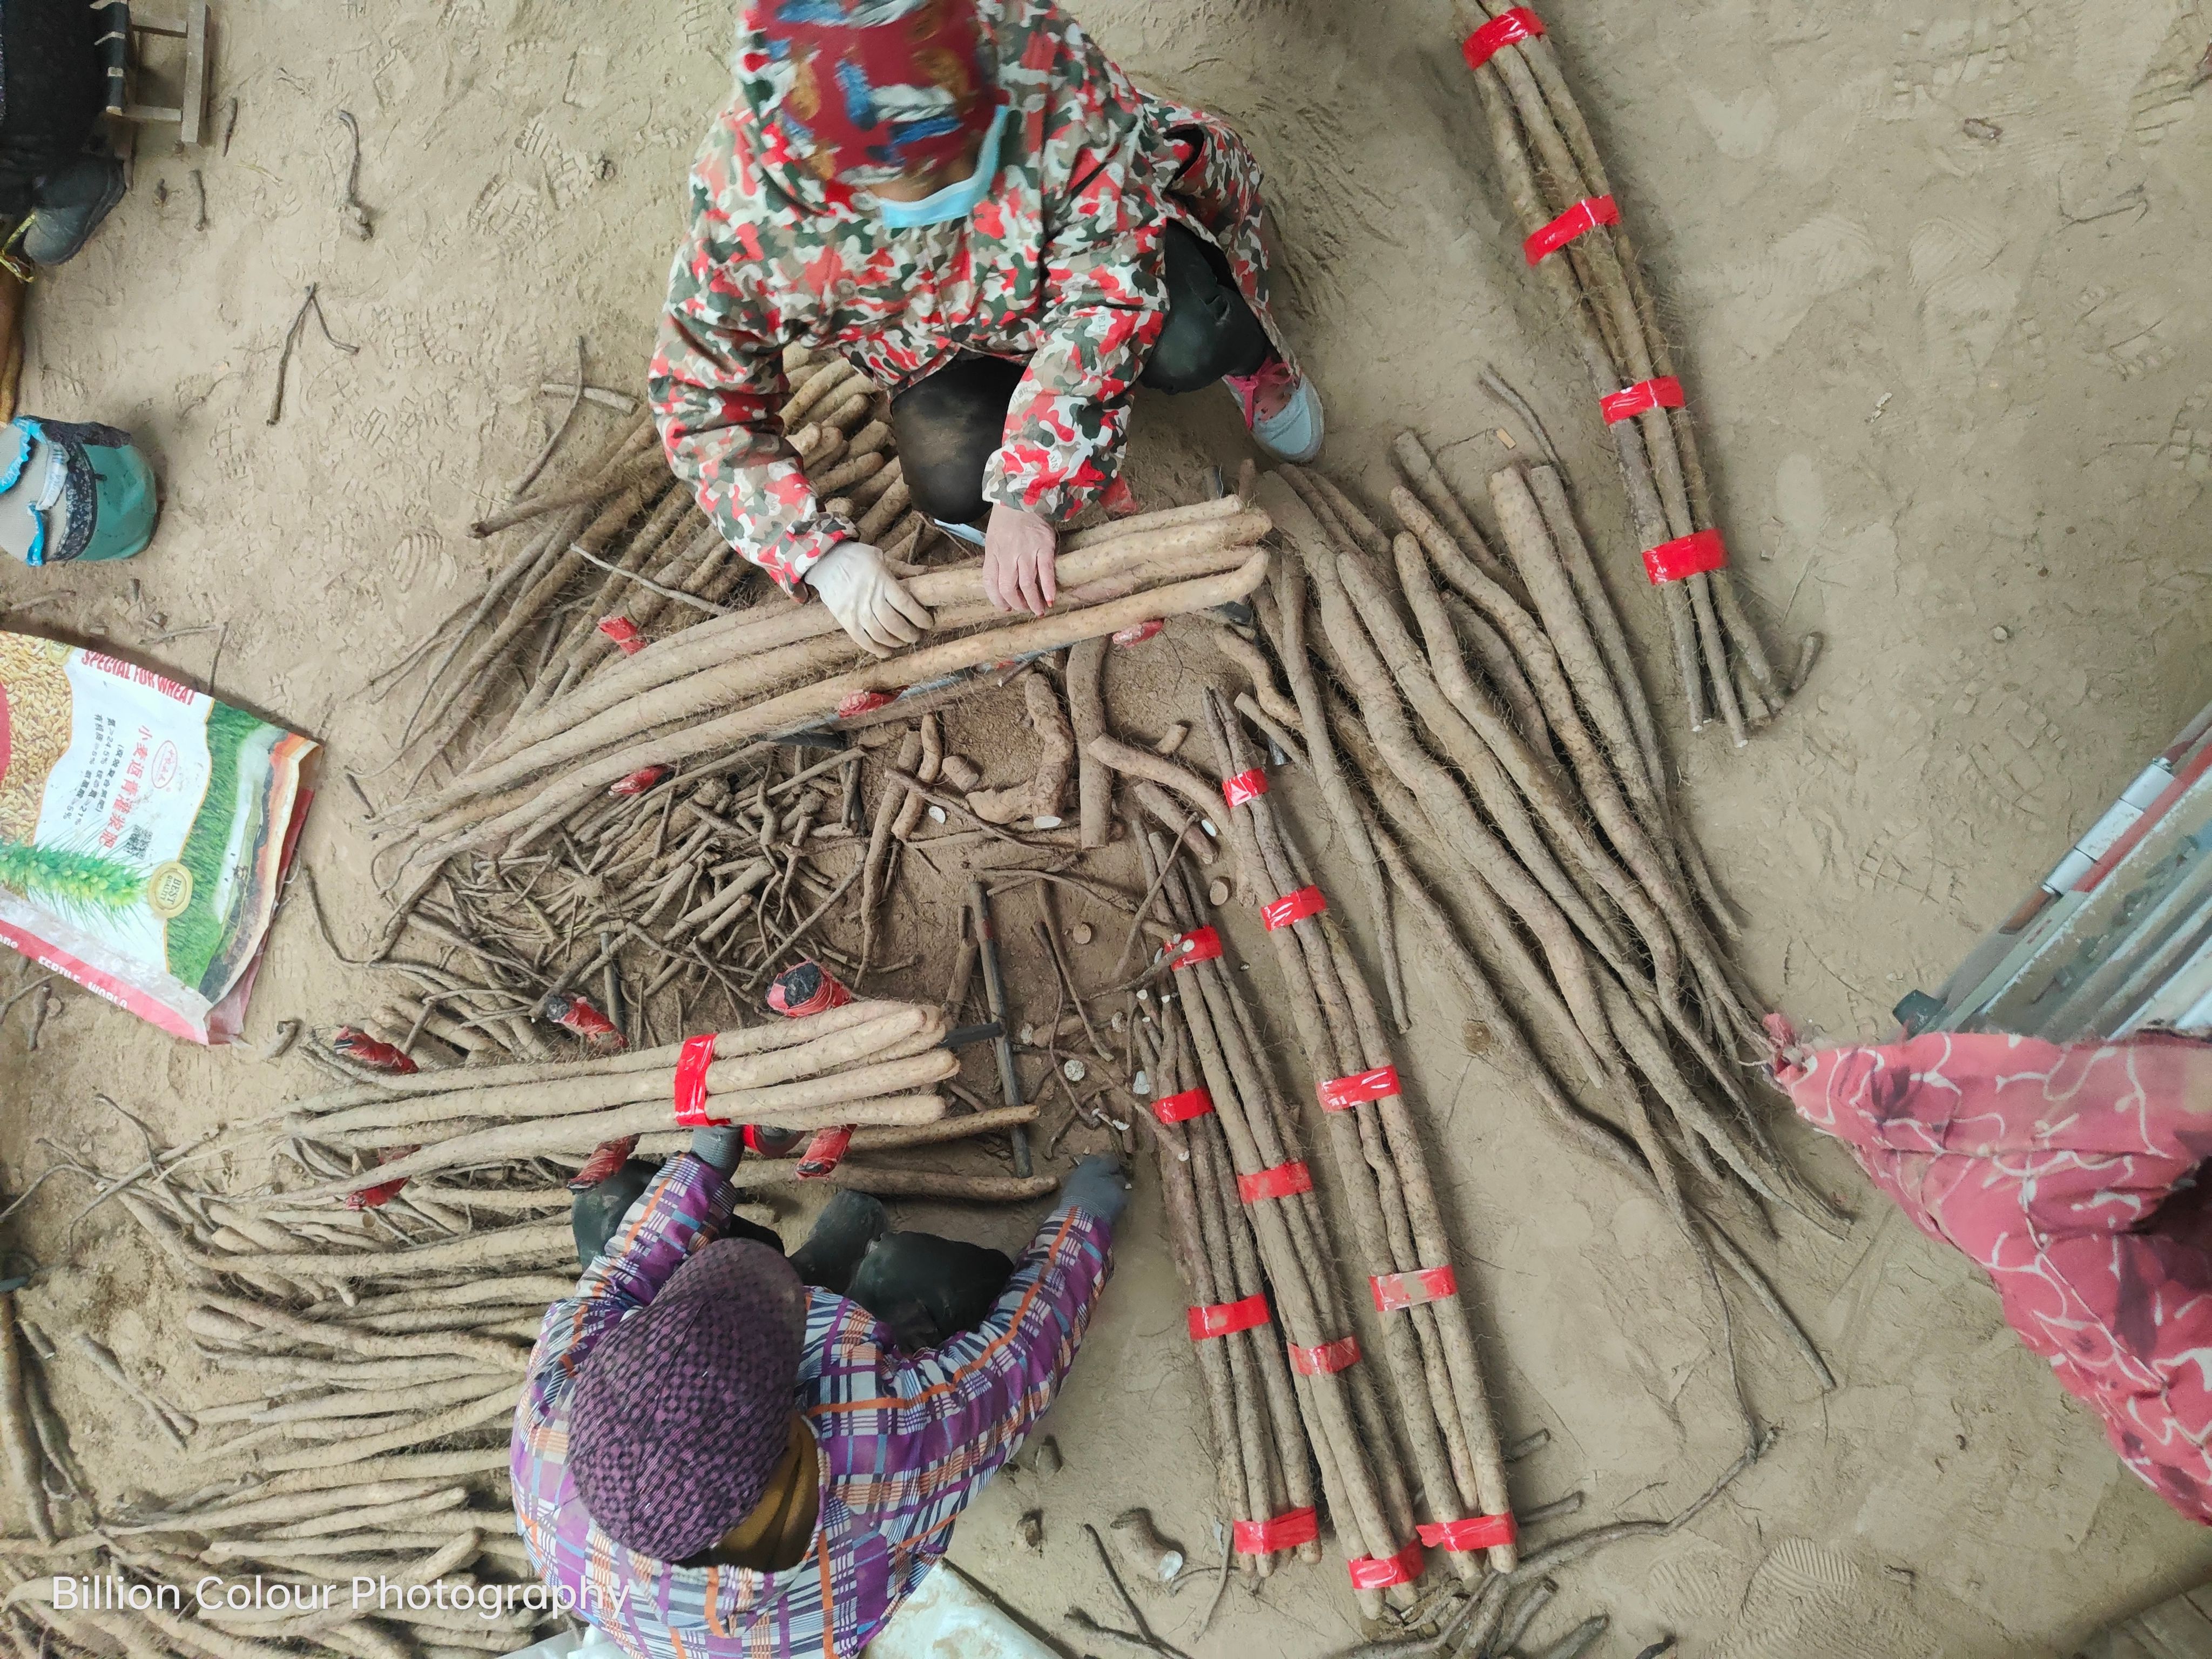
(954, 201)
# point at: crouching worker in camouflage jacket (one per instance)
(967, 200)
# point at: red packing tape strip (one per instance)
(1692, 556)
(1293, 907)
(1284, 1532)
(1245, 786)
(1583, 216)
(1327, 1359)
(1625, 404)
(1499, 33)
(1283, 1180)
(1199, 945)
(1373, 1572)
(1395, 1292)
(824, 1152)
(691, 1083)
(1477, 1532)
(1341, 1094)
(624, 632)
(1180, 1109)
(1223, 1318)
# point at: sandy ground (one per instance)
(1955, 385)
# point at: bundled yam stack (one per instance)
(623, 555)
(1579, 246)
(781, 668)
(1243, 1154)
(1449, 1492)
(866, 1063)
(1475, 700)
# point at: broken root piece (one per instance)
(1042, 795)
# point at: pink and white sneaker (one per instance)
(1282, 410)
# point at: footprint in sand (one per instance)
(1802, 1601)
(2167, 95)
(1967, 296)
(1774, 292)
(2189, 445)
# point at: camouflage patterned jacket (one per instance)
(1061, 264)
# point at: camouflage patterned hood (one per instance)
(836, 93)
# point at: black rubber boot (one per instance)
(69, 203)
(598, 1212)
(848, 1228)
(928, 1290)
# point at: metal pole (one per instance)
(994, 987)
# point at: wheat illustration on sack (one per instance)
(145, 831)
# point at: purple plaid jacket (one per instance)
(906, 1440)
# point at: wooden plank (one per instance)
(152, 112)
(196, 57)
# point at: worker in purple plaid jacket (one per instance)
(721, 1452)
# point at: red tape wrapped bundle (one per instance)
(376, 1197)
(1341, 1094)
(1293, 908)
(1226, 1318)
(574, 1013)
(1180, 1109)
(1505, 29)
(1245, 786)
(1689, 556)
(864, 702)
(1395, 1292)
(1581, 218)
(806, 988)
(369, 1054)
(1283, 1180)
(1376, 1572)
(1327, 1359)
(606, 1158)
(1199, 945)
(824, 1152)
(1284, 1532)
(1477, 1532)
(624, 632)
(691, 1064)
(645, 778)
(1625, 404)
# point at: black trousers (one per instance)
(926, 1289)
(949, 425)
(54, 89)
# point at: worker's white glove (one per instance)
(869, 603)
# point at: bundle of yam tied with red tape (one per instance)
(781, 668)
(621, 557)
(1390, 1393)
(1492, 714)
(597, 710)
(1578, 244)
(1414, 1468)
(869, 1064)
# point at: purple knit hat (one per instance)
(683, 1410)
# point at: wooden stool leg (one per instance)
(14, 291)
(196, 57)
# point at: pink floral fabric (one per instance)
(2071, 1175)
